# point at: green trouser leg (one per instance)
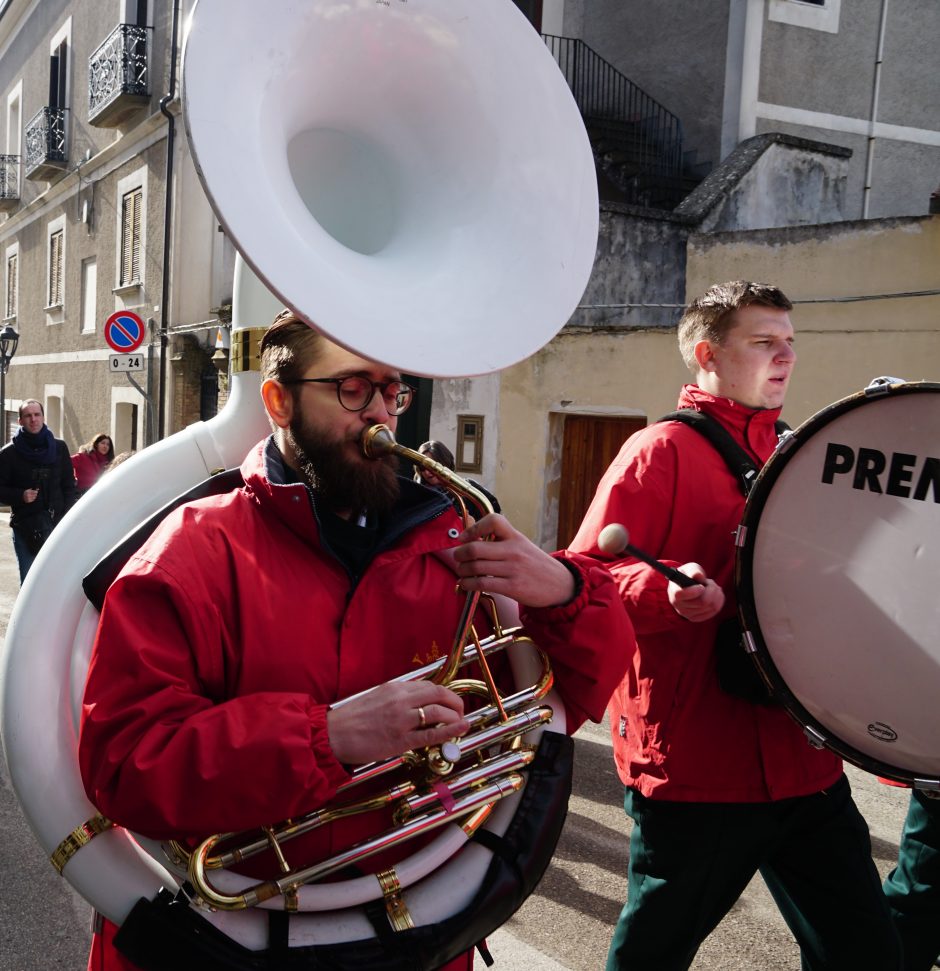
(827, 886)
(687, 868)
(689, 863)
(913, 887)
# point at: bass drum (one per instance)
(837, 562)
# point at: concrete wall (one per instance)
(731, 69)
(469, 396)
(640, 262)
(821, 85)
(673, 51)
(822, 71)
(771, 180)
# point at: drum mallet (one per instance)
(614, 540)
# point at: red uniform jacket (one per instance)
(88, 467)
(225, 639)
(676, 734)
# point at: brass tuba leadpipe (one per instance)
(378, 440)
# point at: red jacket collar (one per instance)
(264, 476)
(751, 427)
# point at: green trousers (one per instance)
(690, 862)
(913, 886)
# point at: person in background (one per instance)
(120, 459)
(36, 482)
(91, 460)
(443, 455)
(720, 785)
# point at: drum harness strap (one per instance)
(737, 674)
(741, 465)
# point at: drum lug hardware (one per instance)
(929, 787)
(786, 441)
(740, 535)
(882, 385)
(747, 639)
(813, 737)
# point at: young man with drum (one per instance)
(720, 786)
(227, 638)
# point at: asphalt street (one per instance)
(43, 923)
(564, 926)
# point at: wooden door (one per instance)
(589, 445)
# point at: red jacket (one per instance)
(683, 737)
(88, 467)
(227, 636)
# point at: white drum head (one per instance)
(837, 579)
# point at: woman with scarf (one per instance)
(91, 460)
(36, 482)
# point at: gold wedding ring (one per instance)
(422, 719)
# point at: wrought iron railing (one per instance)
(45, 139)
(616, 110)
(119, 66)
(9, 177)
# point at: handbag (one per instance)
(35, 529)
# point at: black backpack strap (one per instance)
(737, 674)
(741, 465)
(104, 573)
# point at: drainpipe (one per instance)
(875, 96)
(167, 222)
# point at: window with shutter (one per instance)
(11, 286)
(56, 253)
(130, 237)
(58, 76)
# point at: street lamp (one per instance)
(8, 341)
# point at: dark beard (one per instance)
(337, 482)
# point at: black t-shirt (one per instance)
(352, 541)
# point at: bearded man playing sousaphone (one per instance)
(229, 634)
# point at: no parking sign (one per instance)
(124, 331)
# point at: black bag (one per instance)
(34, 530)
(738, 674)
(167, 934)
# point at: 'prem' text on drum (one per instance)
(900, 474)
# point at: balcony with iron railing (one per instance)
(119, 76)
(45, 144)
(637, 142)
(9, 182)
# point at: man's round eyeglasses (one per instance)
(354, 392)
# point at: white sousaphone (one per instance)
(414, 177)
